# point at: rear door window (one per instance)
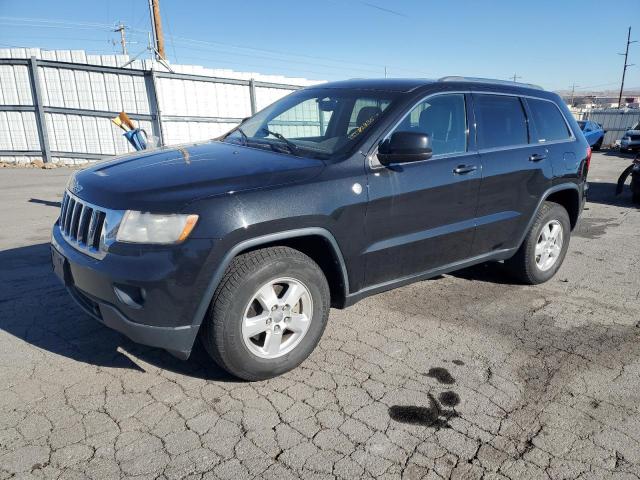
(549, 122)
(501, 121)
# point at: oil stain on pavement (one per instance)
(440, 374)
(435, 415)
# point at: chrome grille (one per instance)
(81, 223)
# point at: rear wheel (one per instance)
(545, 246)
(267, 314)
(598, 145)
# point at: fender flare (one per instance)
(547, 193)
(263, 240)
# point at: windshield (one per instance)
(636, 126)
(318, 123)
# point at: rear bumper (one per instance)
(149, 296)
(630, 145)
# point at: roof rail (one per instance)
(454, 78)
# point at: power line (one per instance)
(190, 42)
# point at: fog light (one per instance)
(130, 295)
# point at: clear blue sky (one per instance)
(551, 43)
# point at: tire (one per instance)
(524, 265)
(598, 145)
(237, 305)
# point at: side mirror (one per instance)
(404, 147)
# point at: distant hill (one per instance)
(628, 92)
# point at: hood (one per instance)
(632, 132)
(167, 179)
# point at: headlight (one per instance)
(140, 227)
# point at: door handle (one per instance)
(462, 169)
(536, 157)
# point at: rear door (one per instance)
(515, 172)
(421, 214)
(551, 130)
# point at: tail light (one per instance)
(588, 162)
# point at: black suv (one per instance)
(331, 194)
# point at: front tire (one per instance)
(268, 313)
(545, 246)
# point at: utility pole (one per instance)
(573, 91)
(156, 28)
(515, 77)
(626, 65)
(123, 40)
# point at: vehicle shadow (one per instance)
(35, 307)
(605, 193)
(490, 272)
(617, 153)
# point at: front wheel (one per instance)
(268, 313)
(545, 246)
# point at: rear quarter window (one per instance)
(549, 122)
(501, 121)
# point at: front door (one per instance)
(421, 214)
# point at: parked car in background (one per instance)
(593, 132)
(329, 195)
(631, 139)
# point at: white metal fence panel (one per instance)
(266, 96)
(15, 88)
(614, 121)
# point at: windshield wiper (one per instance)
(293, 148)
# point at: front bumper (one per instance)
(149, 294)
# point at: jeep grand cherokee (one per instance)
(331, 194)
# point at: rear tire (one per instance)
(598, 145)
(545, 246)
(254, 297)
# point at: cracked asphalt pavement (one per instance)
(464, 376)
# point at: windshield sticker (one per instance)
(366, 124)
